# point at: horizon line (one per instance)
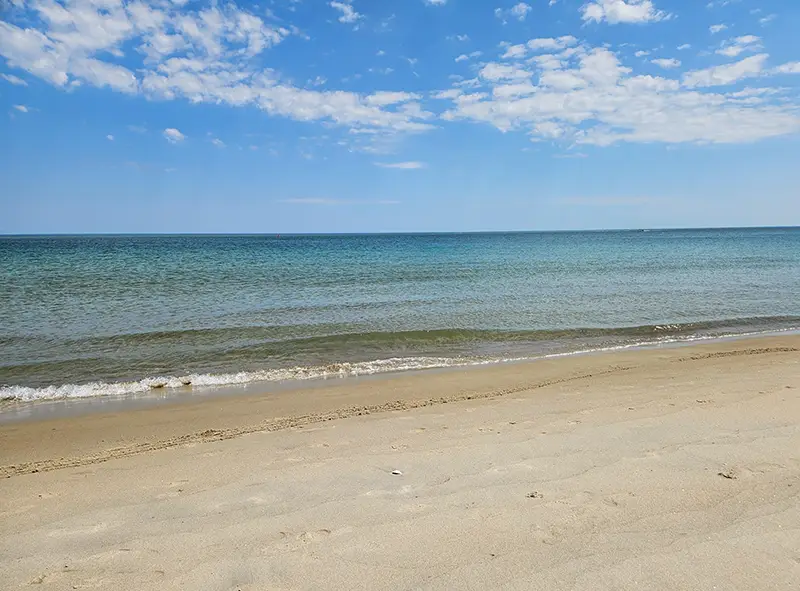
(402, 232)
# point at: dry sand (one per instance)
(662, 469)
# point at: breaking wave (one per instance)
(21, 393)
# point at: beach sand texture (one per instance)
(671, 468)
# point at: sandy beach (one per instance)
(671, 468)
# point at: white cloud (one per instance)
(571, 155)
(349, 15)
(641, 53)
(328, 201)
(593, 98)
(384, 98)
(789, 68)
(494, 72)
(15, 80)
(684, 46)
(561, 80)
(554, 89)
(75, 39)
(447, 94)
(100, 74)
(22, 108)
(436, 2)
(401, 165)
(515, 51)
(201, 53)
(622, 11)
(601, 67)
(727, 74)
(606, 201)
(173, 136)
(550, 44)
(767, 19)
(384, 71)
(667, 63)
(110, 137)
(738, 45)
(513, 89)
(217, 142)
(519, 12)
(717, 29)
(466, 56)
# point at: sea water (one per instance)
(116, 315)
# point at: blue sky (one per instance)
(397, 115)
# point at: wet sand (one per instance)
(659, 469)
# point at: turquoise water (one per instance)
(110, 315)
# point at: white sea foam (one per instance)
(337, 370)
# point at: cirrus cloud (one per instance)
(331, 201)
(15, 80)
(413, 165)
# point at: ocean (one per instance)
(85, 316)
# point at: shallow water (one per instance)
(94, 316)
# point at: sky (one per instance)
(397, 115)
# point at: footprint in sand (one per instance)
(750, 471)
(309, 537)
(304, 538)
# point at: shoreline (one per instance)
(103, 434)
(650, 469)
(16, 411)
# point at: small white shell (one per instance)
(397, 472)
